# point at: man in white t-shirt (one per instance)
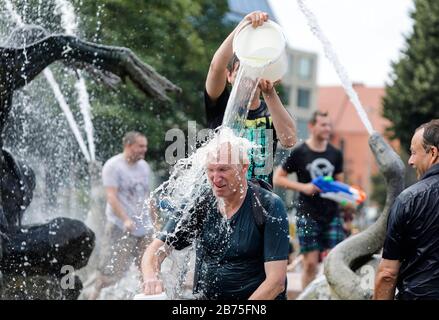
(129, 226)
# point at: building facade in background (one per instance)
(349, 133)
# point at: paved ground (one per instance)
(294, 285)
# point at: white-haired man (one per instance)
(236, 258)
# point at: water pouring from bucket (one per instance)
(188, 184)
(262, 55)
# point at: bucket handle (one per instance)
(241, 26)
(244, 24)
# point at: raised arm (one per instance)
(217, 76)
(282, 120)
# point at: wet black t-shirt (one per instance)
(309, 164)
(257, 126)
(413, 238)
(232, 252)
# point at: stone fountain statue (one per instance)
(43, 250)
(350, 267)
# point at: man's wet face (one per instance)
(225, 179)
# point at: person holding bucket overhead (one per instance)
(264, 117)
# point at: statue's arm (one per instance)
(24, 64)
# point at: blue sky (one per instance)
(366, 35)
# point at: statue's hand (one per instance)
(144, 76)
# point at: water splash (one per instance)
(68, 113)
(40, 2)
(55, 87)
(70, 25)
(98, 22)
(243, 91)
(14, 15)
(68, 18)
(84, 103)
(188, 187)
(188, 182)
(17, 18)
(333, 58)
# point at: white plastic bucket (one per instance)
(262, 46)
(142, 296)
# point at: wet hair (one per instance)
(228, 153)
(232, 62)
(313, 119)
(431, 134)
(130, 137)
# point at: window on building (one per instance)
(290, 69)
(284, 94)
(305, 68)
(302, 129)
(303, 98)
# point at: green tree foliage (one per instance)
(178, 39)
(413, 96)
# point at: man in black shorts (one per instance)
(319, 224)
